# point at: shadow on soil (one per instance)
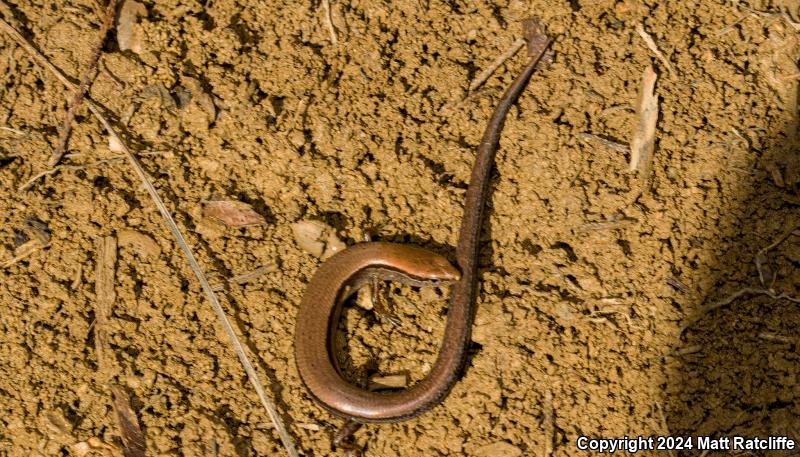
(736, 371)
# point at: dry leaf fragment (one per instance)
(643, 141)
(35, 228)
(129, 34)
(168, 102)
(132, 436)
(232, 213)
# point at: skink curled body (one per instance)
(341, 275)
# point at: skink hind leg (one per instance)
(343, 438)
(382, 309)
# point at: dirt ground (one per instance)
(607, 307)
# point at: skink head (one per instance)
(425, 265)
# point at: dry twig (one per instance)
(763, 276)
(733, 297)
(643, 142)
(80, 93)
(326, 14)
(51, 171)
(485, 74)
(651, 44)
(173, 228)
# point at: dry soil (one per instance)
(608, 306)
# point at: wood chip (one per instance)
(129, 34)
(131, 433)
(233, 214)
(394, 381)
(27, 248)
(643, 142)
(309, 426)
(114, 145)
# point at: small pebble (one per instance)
(317, 238)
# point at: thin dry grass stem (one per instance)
(34, 247)
(80, 93)
(733, 24)
(485, 74)
(613, 145)
(247, 277)
(776, 338)
(651, 45)
(774, 15)
(51, 171)
(176, 233)
(326, 15)
(12, 130)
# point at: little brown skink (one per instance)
(341, 275)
